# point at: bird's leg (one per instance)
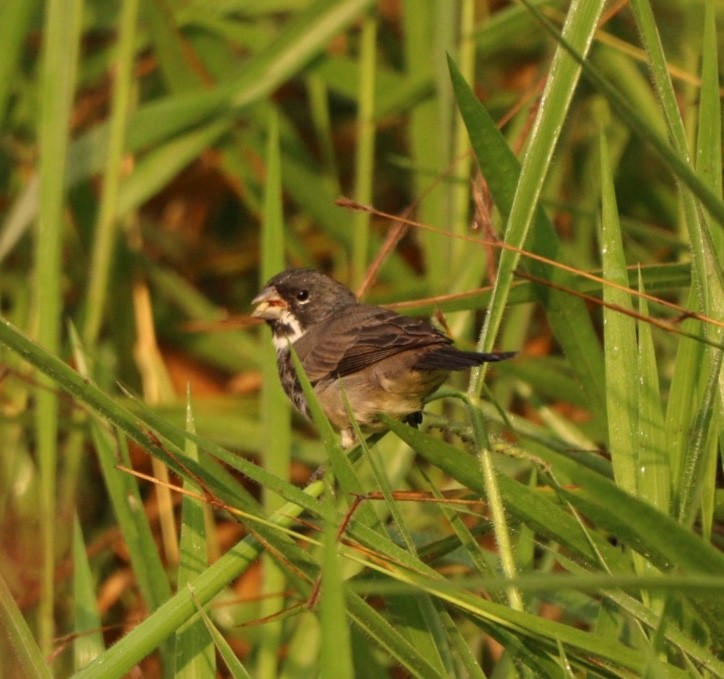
(349, 439)
(414, 419)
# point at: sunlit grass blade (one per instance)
(581, 22)
(568, 317)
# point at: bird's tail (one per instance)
(450, 358)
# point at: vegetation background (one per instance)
(561, 165)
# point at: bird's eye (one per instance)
(303, 296)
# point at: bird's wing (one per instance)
(360, 336)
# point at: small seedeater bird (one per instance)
(384, 362)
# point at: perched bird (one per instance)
(384, 362)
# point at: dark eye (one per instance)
(303, 296)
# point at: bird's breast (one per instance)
(290, 382)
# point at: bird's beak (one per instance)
(269, 305)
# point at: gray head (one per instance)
(296, 299)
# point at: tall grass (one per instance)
(559, 515)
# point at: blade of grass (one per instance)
(336, 652)
(495, 503)
(194, 649)
(619, 340)
(15, 20)
(344, 473)
(157, 168)
(654, 475)
(175, 54)
(543, 515)
(365, 152)
(302, 38)
(276, 416)
(428, 28)
(460, 187)
(105, 228)
(709, 168)
(232, 662)
(88, 642)
(375, 626)
(707, 266)
(418, 620)
(62, 29)
(639, 124)
(568, 317)
(579, 29)
(22, 655)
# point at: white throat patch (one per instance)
(293, 331)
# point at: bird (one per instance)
(381, 361)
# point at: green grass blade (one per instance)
(646, 529)
(301, 39)
(233, 664)
(62, 27)
(640, 126)
(174, 53)
(105, 228)
(194, 649)
(383, 633)
(88, 643)
(707, 261)
(654, 473)
(581, 22)
(15, 19)
(619, 340)
(21, 655)
(543, 515)
(276, 416)
(128, 507)
(165, 162)
(427, 27)
(344, 473)
(365, 152)
(708, 156)
(709, 168)
(568, 317)
(336, 651)
(702, 442)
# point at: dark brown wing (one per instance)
(360, 336)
